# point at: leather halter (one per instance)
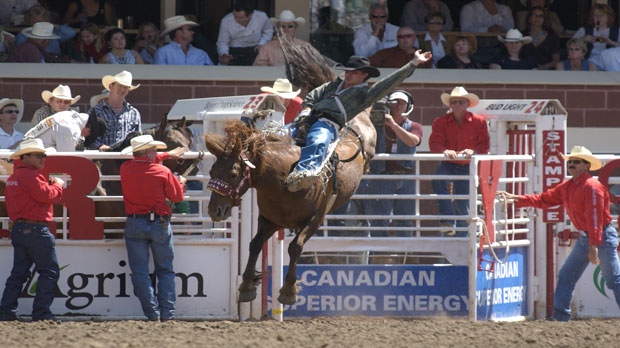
(225, 189)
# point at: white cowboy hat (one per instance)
(175, 22)
(460, 92)
(18, 103)
(41, 30)
(143, 142)
(283, 88)
(287, 16)
(31, 145)
(514, 35)
(124, 78)
(96, 99)
(60, 92)
(585, 154)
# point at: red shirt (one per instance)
(292, 110)
(147, 185)
(29, 195)
(585, 199)
(472, 133)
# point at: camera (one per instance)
(379, 109)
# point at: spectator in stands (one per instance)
(434, 40)
(459, 134)
(11, 112)
(242, 33)
(271, 53)
(376, 35)
(545, 45)
(461, 48)
(14, 8)
(481, 16)
(68, 131)
(80, 12)
(415, 12)
(57, 100)
(118, 53)
(7, 42)
(336, 13)
(121, 118)
(148, 41)
(586, 202)
(576, 59)
(397, 134)
(38, 13)
(600, 33)
(332, 39)
(397, 56)
(289, 98)
(551, 18)
(33, 49)
(513, 56)
(179, 51)
(90, 46)
(608, 60)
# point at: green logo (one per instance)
(32, 290)
(599, 282)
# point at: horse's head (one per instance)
(174, 134)
(230, 174)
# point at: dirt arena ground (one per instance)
(318, 332)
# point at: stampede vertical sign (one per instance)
(553, 170)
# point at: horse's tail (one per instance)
(306, 67)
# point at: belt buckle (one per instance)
(151, 216)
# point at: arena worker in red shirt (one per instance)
(283, 88)
(29, 201)
(459, 133)
(586, 201)
(147, 185)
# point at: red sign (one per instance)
(553, 170)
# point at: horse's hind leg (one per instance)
(251, 278)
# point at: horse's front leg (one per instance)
(251, 278)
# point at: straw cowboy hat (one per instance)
(514, 35)
(143, 142)
(460, 92)
(585, 154)
(60, 92)
(18, 103)
(96, 99)
(176, 22)
(123, 78)
(283, 88)
(359, 63)
(287, 16)
(34, 145)
(41, 30)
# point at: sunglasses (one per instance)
(405, 36)
(573, 161)
(435, 22)
(290, 26)
(458, 101)
(537, 15)
(10, 112)
(375, 16)
(38, 155)
(62, 101)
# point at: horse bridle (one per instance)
(225, 189)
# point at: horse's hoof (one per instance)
(247, 296)
(287, 299)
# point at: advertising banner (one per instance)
(593, 299)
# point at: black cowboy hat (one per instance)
(359, 63)
(97, 128)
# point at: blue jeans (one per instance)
(391, 206)
(140, 236)
(320, 134)
(32, 243)
(461, 187)
(576, 264)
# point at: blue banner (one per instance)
(379, 290)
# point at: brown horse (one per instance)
(247, 158)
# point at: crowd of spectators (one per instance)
(86, 32)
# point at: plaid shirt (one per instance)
(118, 126)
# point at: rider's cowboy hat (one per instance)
(514, 35)
(18, 103)
(27, 146)
(96, 99)
(283, 88)
(143, 142)
(123, 78)
(287, 16)
(359, 63)
(41, 30)
(585, 154)
(60, 92)
(460, 92)
(176, 22)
